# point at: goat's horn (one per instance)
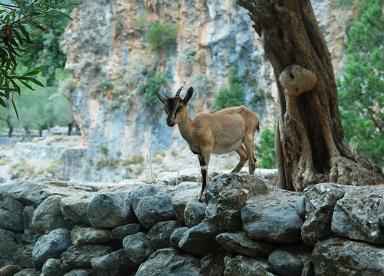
(178, 92)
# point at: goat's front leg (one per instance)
(204, 161)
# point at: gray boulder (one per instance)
(200, 239)
(357, 215)
(80, 256)
(8, 245)
(22, 255)
(48, 216)
(244, 266)
(181, 199)
(27, 217)
(10, 270)
(74, 208)
(345, 257)
(51, 245)
(52, 267)
(317, 226)
(137, 247)
(78, 272)
(194, 212)
(11, 214)
(239, 243)
(285, 264)
(212, 264)
(319, 203)
(176, 236)
(144, 191)
(152, 209)
(113, 264)
(272, 217)
(226, 194)
(122, 231)
(27, 272)
(109, 210)
(159, 235)
(86, 235)
(170, 262)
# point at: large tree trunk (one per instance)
(309, 134)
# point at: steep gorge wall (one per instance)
(109, 58)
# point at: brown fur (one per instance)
(230, 129)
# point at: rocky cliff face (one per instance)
(109, 57)
(245, 226)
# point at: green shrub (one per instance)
(361, 86)
(233, 95)
(103, 150)
(105, 85)
(162, 35)
(265, 149)
(149, 88)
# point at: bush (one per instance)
(162, 35)
(265, 149)
(233, 95)
(149, 88)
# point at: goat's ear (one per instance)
(161, 97)
(188, 95)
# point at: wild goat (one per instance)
(224, 131)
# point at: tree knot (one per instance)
(297, 80)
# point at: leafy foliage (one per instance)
(19, 19)
(149, 88)
(265, 149)
(162, 35)
(233, 95)
(362, 84)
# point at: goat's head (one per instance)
(176, 107)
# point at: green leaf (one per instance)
(14, 107)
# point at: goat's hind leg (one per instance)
(243, 158)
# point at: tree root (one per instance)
(350, 172)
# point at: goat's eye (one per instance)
(178, 109)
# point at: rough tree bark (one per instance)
(309, 136)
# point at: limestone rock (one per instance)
(10, 270)
(226, 194)
(181, 199)
(11, 214)
(27, 217)
(74, 208)
(344, 257)
(176, 236)
(319, 203)
(7, 247)
(169, 262)
(200, 239)
(52, 267)
(27, 272)
(356, 215)
(159, 235)
(48, 216)
(113, 264)
(244, 266)
(269, 220)
(194, 212)
(86, 235)
(212, 264)
(122, 231)
(80, 256)
(239, 243)
(153, 209)
(108, 210)
(137, 247)
(51, 245)
(78, 272)
(285, 264)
